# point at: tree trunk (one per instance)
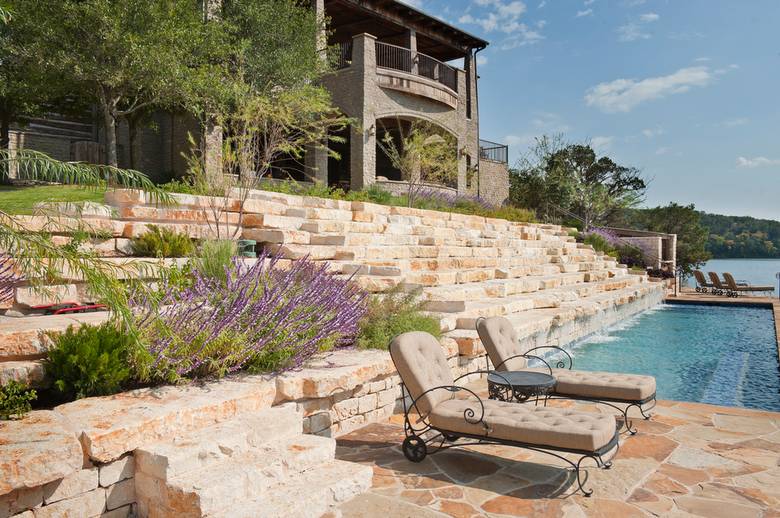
(109, 120)
(132, 131)
(5, 140)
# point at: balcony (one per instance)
(493, 151)
(417, 63)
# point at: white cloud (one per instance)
(588, 2)
(622, 95)
(662, 151)
(542, 4)
(601, 144)
(586, 12)
(759, 161)
(414, 3)
(631, 32)
(731, 123)
(702, 59)
(649, 18)
(652, 132)
(505, 16)
(482, 60)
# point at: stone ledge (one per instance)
(338, 371)
(110, 426)
(36, 450)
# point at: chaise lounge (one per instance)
(701, 282)
(503, 348)
(441, 413)
(719, 286)
(736, 288)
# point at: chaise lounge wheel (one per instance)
(698, 290)
(450, 438)
(414, 448)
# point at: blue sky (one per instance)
(686, 90)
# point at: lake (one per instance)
(753, 271)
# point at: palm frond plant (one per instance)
(38, 260)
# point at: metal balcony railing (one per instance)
(493, 151)
(403, 59)
(343, 54)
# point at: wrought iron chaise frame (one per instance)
(415, 445)
(561, 364)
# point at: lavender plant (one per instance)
(261, 317)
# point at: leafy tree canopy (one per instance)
(559, 179)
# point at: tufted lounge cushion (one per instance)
(499, 338)
(603, 385)
(500, 341)
(421, 363)
(554, 427)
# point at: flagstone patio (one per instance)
(690, 460)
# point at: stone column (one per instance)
(211, 140)
(363, 138)
(411, 44)
(316, 163)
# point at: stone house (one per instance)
(396, 64)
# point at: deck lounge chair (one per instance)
(720, 286)
(441, 413)
(736, 287)
(701, 282)
(632, 390)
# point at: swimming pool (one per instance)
(710, 354)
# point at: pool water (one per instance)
(710, 354)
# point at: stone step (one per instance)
(569, 298)
(24, 339)
(203, 447)
(313, 494)
(225, 486)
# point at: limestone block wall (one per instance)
(493, 181)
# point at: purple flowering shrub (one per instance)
(261, 317)
(606, 241)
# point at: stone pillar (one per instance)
(211, 141)
(411, 44)
(462, 171)
(363, 138)
(316, 163)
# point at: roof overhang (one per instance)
(390, 21)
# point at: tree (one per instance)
(570, 180)
(423, 154)
(27, 89)
(126, 55)
(684, 221)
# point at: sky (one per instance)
(688, 91)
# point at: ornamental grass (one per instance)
(260, 317)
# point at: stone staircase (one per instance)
(464, 266)
(255, 465)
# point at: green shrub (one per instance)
(162, 242)
(89, 361)
(631, 256)
(214, 257)
(391, 314)
(15, 400)
(599, 243)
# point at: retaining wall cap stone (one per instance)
(110, 426)
(37, 450)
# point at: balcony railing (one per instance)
(403, 59)
(343, 54)
(493, 151)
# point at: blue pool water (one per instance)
(719, 355)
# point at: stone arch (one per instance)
(396, 124)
